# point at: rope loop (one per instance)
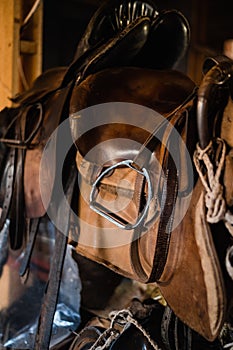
(123, 318)
(211, 180)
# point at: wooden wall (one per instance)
(211, 26)
(20, 50)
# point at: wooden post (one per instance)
(9, 50)
(31, 44)
(20, 53)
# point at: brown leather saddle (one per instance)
(114, 188)
(189, 260)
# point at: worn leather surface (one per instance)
(161, 91)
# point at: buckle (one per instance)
(27, 143)
(114, 218)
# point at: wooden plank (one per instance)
(31, 62)
(28, 47)
(20, 53)
(9, 50)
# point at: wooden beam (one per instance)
(28, 47)
(31, 44)
(9, 50)
(20, 52)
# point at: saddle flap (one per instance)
(36, 176)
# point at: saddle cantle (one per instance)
(167, 39)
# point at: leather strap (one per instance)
(51, 295)
(8, 178)
(169, 194)
(32, 229)
(17, 220)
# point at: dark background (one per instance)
(65, 21)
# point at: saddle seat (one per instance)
(122, 131)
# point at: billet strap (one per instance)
(175, 335)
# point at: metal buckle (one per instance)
(101, 210)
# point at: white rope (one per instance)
(105, 339)
(214, 200)
(123, 318)
(228, 346)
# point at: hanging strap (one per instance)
(32, 229)
(44, 330)
(168, 199)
